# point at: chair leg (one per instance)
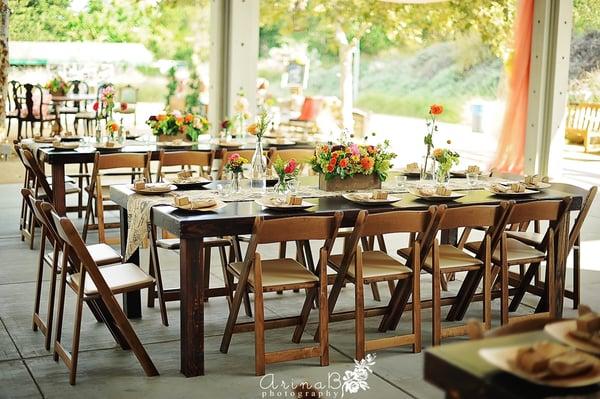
(576, 273)
(487, 286)
(375, 291)
(436, 333)
(306, 308)
(51, 297)
(60, 310)
(227, 278)
(76, 336)
(88, 215)
(359, 305)
(38, 285)
(259, 320)
(522, 288)
(323, 310)
(158, 275)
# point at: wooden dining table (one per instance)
(237, 218)
(458, 369)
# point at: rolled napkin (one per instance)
(182, 201)
(139, 184)
(157, 186)
(202, 203)
(379, 195)
(413, 167)
(535, 180)
(443, 191)
(517, 188)
(362, 196)
(473, 169)
(294, 200)
(111, 144)
(184, 174)
(499, 188)
(426, 191)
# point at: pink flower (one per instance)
(354, 149)
(234, 157)
(290, 167)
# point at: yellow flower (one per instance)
(252, 128)
(437, 152)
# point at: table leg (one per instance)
(132, 302)
(58, 188)
(191, 269)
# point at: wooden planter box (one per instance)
(180, 136)
(357, 182)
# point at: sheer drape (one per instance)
(511, 145)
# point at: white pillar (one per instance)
(548, 86)
(233, 55)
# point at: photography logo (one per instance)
(336, 385)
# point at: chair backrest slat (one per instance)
(295, 229)
(35, 169)
(187, 158)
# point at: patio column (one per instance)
(548, 86)
(233, 55)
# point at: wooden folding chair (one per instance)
(279, 275)
(368, 266)
(513, 252)
(101, 253)
(535, 238)
(99, 194)
(93, 283)
(203, 160)
(41, 190)
(447, 258)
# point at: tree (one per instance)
(346, 22)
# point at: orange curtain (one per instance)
(510, 154)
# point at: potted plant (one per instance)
(174, 126)
(352, 166)
(57, 86)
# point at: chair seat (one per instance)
(376, 265)
(528, 237)
(173, 243)
(70, 188)
(119, 278)
(279, 272)
(69, 110)
(450, 258)
(130, 109)
(102, 254)
(85, 115)
(515, 251)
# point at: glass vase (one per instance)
(286, 185)
(258, 168)
(442, 175)
(427, 169)
(235, 182)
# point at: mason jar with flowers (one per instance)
(352, 166)
(444, 160)
(175, 126)
(235, 164)
(287, 174)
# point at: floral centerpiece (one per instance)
(432, 127)
(226, 128)
(235, 164)
(444, 159)
(176, 126)
(287, 172)
(57, 86)
(352, 166)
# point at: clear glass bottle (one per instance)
(258, 169)
(98, 132)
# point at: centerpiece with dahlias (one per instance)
(351, 166)
(174, 126)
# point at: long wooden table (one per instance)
(237, 218)
(462, 373)
(57, 159)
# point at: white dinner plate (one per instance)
(364, 199)
(216, 207)
(152, 189)
(272, 203)
(560, 330)
(436, 198)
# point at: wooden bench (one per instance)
(583, 125)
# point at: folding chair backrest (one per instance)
(35, 170)
(581, 216)
(187, 158)
(73, 244)
(296, 229)
(553, 211)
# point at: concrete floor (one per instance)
(105, 371)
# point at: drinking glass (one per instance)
(472, 179)
(401, 181)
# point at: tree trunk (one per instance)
(346, 88)
(4, 14)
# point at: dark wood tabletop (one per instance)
(82, 154)
(238, 217)
(459, 370)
